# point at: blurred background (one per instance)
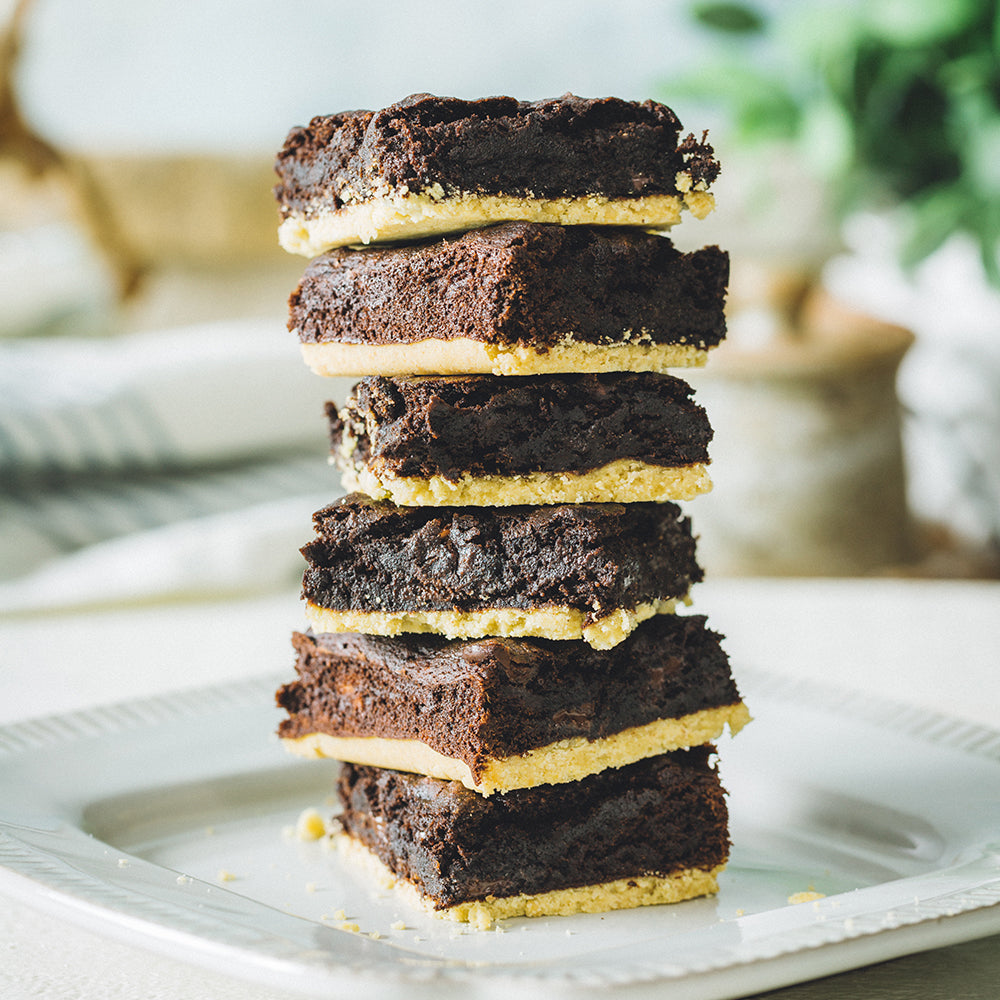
(160, 437)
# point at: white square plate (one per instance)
(165, 822)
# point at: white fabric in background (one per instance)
(246, 551)
(158, 465)
(214, 392)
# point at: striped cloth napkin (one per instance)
(172, 464)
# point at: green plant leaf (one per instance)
(826, 139)
(731, 18)
(759, 106)
(901, 117)
(921, 22)
(887, 101)
(934, 217)
(989, 240)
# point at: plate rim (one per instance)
(961, 913)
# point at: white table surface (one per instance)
(934, 644)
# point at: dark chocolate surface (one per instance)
(651, 818)
(374, 556)
(500, 697)
(566, 146)
(516, 283)
(488, 425)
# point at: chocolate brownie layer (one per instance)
(562, 709)
(562, 571)
(659, 818)
(434, 164)
(482, 439)
(511, 297)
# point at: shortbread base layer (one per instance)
(405, 216)
(602, 897)
(567, 760)
(548, 622)
(464, 356)
(622, 481)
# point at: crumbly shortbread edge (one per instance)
(552, 622)
(465, 356)
(621, 481)
(600, 897)
(557, 763)
(404, 215)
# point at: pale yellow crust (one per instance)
(602, 897)
(565, 761)
(621, 481)
(464, 356)
(405, 216)
(548, 622)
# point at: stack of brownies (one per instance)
(493, 652)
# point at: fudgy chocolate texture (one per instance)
(566, 146)
(374, 556)
(490, 425)
(517, 283)
(654, 817)
(499, 697)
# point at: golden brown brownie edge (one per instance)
(562, 571)
(655, 831)
(503, 713)
(511, 299)
(490, 441)
(428, 165)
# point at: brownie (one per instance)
(657, 817)
(500, 697)
(550, 148)
(489, 425)
(523, 283)
(375, 556)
